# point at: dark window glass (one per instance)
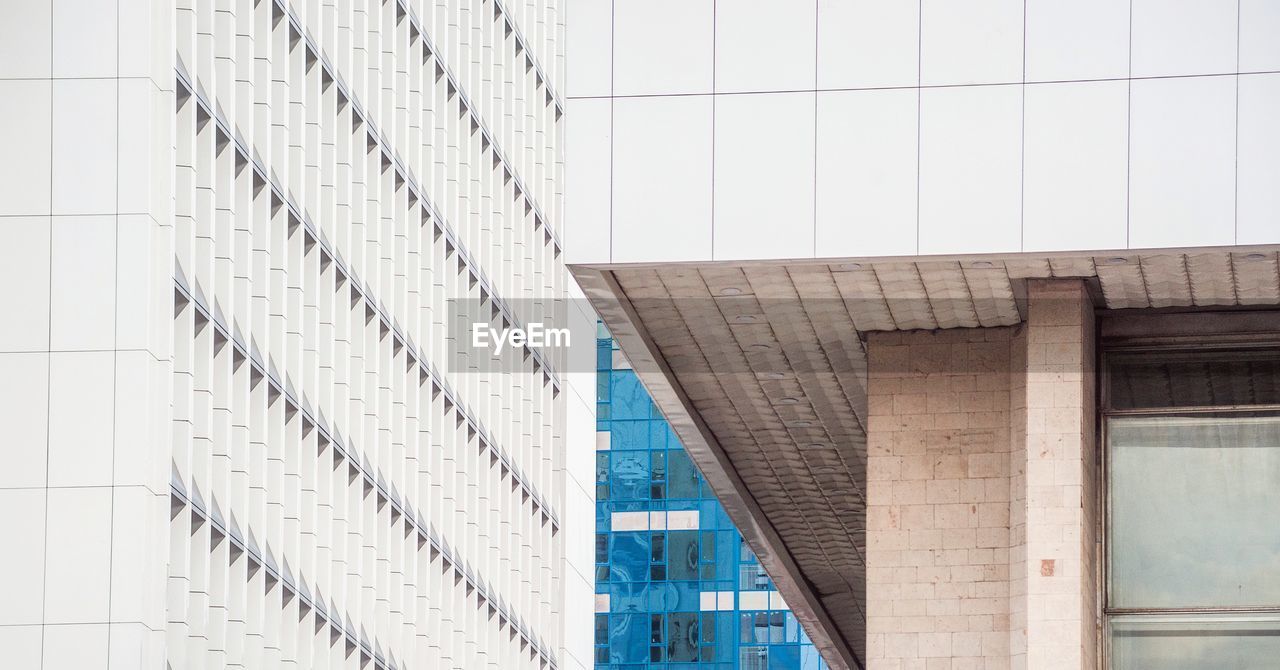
(658, 543)
(658, 465)
(1221, 378)
(708, 627)
(624, 435)
(627, 396)
(777, 628)
(682, 477)
(602, 388)
(629, 556)
(682, 636)
(682, 560)
(784, 658)
(602, 629)
(708, 547)
(753, 658)
(628, 639)
(630, 474)
(602, 467)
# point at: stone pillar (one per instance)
(982, 494)
(1055, 509)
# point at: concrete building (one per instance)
(676, 587)
(966, 310)
(239, 430)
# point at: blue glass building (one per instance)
(676, 586)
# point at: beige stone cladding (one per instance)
(979, 543)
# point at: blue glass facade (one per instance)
(674, 596)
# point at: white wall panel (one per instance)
(868, 43)
(1259, 28)
(1076, 166)
(24, 262)
(82, 283)
(970, 169)
(75, 647)
(80, 418)
(588, 180)
(1180, 37)
(765, 45)
(84, 146)
(663, 46)
(22, 566)
(866, 180)
(764, 155)
(970, 41)
(25, 133)
(589, 36)
(1258, 194)
(84, 38)
(22, 645)
(77, 556)
(1182, 162)
(25, 397)
(26, 41)
(662, 178)
(1081, 39)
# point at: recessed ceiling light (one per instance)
(800, 424)
(817, 445)
(1117, 260)
(774, 375)
(731, 290)
(982, 265)
(788, 401)
(1255, 257)
(745, 318)
(850, 266)
(761, 347)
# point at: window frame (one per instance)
(1155, 347)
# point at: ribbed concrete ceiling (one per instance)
(761, 370)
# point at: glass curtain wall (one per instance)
(677, 588)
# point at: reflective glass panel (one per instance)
(1194, 643)
(1194, 511)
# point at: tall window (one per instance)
(1193, 532)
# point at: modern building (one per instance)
(236, 237)
(965, 309)
(676, 587)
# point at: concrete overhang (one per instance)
(761, 370)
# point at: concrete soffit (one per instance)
(759, 367)
(618, 313)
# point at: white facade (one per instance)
(240, 434)
(850, 128)
(796, 217)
